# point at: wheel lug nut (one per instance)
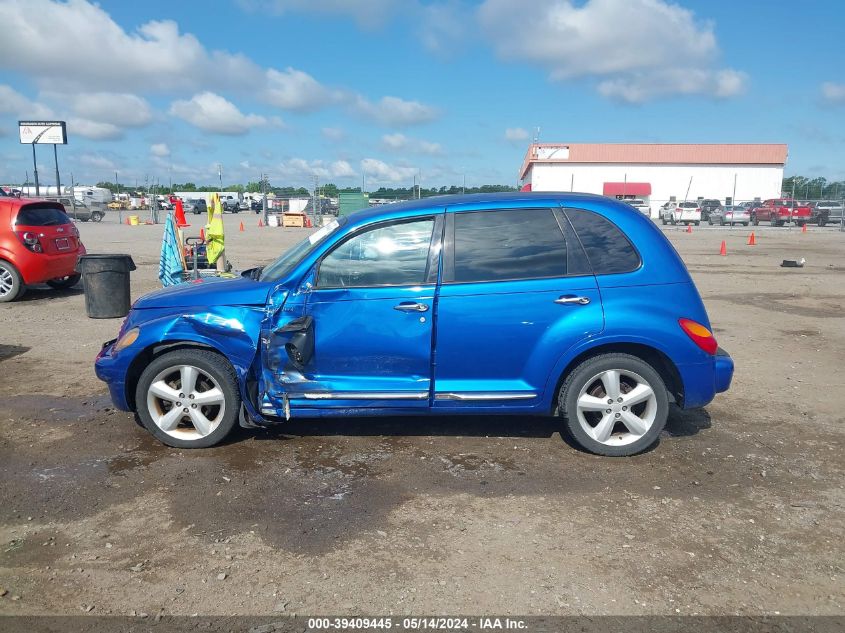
(617, 415)
(607, 411)
(193, 406)
(624, 408)
(178, 404)
(181, 395)
(186, 410)
(191, 397)
(619, 400)
(610, 401)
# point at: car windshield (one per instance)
(284, 264)
(789, 204)
(688, 205)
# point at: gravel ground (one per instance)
(738, 510)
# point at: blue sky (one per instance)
(388, 89)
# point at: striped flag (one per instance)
(170, 263)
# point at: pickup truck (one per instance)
(78, 210)
(779, 211)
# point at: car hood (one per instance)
(211, 291)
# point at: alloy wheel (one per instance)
(616, 407)
(7, 282)
(186, 402)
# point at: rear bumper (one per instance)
(37, 268)
(702, 381)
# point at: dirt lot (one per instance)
(739, 510)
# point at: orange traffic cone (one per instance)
(803, 228)
(752, 241)
(242, 227)
(689, 228)
(202, 234)
(180, 215)
(127, 221)
(724, 249)
(260, 223)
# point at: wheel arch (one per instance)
(153, 351)
(661, 363)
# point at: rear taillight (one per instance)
(30, 240)
(700, 335)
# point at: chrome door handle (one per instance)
(579, 300)
(411, 307)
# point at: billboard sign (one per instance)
(46, 132)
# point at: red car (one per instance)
(779, 211)
(38, 244)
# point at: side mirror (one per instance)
(300, 345)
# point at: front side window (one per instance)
(389, 255)
(608, 250)
(509, 244)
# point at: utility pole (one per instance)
(315, 199)
(119, 204)
(220, 174)
(264, 197)
(35, 170)
(58, 181)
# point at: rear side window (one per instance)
(608, 250)
(510, 244)
(36, 215)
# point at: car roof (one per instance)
(505, 198)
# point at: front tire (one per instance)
(96, 216)
(614, 405)
(188, 398)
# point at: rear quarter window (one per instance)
(607, 247)
(41, 215)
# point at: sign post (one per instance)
(43, 133)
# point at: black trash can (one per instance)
(106, 281)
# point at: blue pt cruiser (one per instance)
(566, 305)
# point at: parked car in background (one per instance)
(709, 206)
(230, 205)
(825, 212)
(256, 205)
(735, 214)
(196, 206)
(78, 210)
(779, 211)
(39, 243)
(641, 206)
(571, 281)
(681, 213)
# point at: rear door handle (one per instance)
(411, 307)
(577, 300)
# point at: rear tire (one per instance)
(96, 216)
(61, 283)
(163, 390)
(614, 429)
(11, 283)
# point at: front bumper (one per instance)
(112, 372)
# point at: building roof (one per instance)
(656, 153)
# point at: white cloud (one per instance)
(442, 27)
(379, 172)
(400, 142)
(298, 168)
(211, 112)
(394, 141)
(641, 44)
(14, 103)
(159, 149)
(641, 87)
(368, 13)
(395, 112)
(93, 129)
(97, 162)
(122, 109)
(333, 133)
(516, 134)
(293, 89)
(833, 93)
(77, 44)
